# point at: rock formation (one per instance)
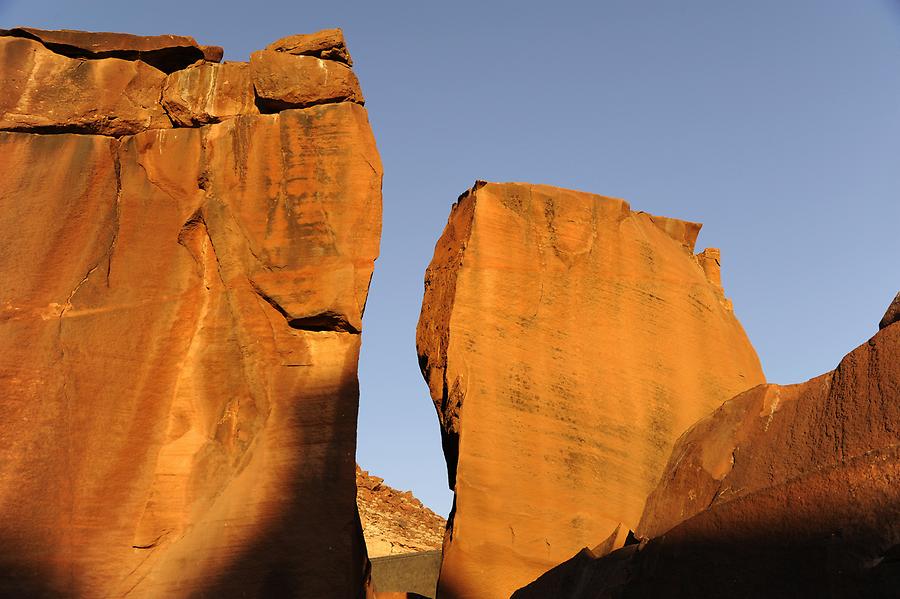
(567, 342)
(182, 281)
(784, 491)
(394, 522)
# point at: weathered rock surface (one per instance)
(784, 491)
(892, 314)
(167, 53)
(567, 342)
(395, 522)
(326, 44)
(47, 92)
(207, 92)
(284, 80)
(104, 84)
(179, 319)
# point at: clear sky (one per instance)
(774, 122)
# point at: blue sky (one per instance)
(776, 123)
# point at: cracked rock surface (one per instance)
(567, 341)
(180, 309)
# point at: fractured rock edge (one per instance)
(305, 70)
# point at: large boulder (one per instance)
(180, 316)
(567, 341)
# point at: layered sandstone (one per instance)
(784, 491)
(395, 522)
(180, 310)
(567, 341)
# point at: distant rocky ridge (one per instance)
(185, 255)
(395, 522)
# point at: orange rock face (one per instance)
(785, 491)
(567, 342)
(283, 80)
(207, 92)
(48, 92)
(180, 313)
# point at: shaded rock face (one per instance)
(784, 491)
(567, 342)
(118, 84)
(395, 522)
(179, 329)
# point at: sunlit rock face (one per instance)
(567, 341)
(784, 491)
(180, 317)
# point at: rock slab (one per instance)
(567, 342)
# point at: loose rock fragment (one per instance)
(285, 81)
(327, 44)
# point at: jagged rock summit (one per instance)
(567, 341)
(892, 314)
(183, 271)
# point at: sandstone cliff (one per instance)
(395, 522)
(567, 341)
(784, 491)
(183, 269)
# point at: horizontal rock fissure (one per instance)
(267, 106)
(167, 60)
(316, 323)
